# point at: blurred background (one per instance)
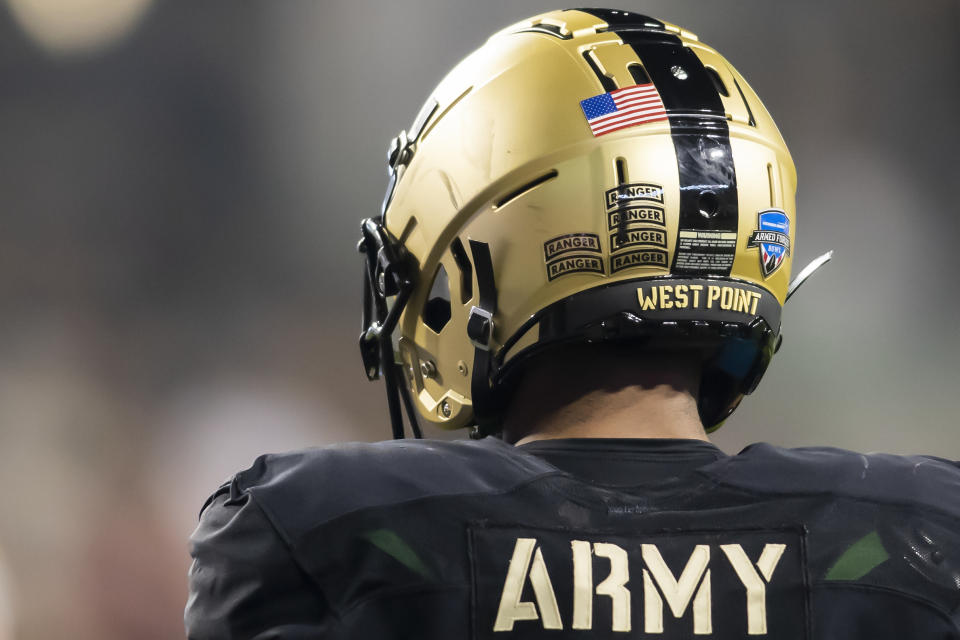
(181, 186)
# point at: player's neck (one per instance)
(630, 412)
(605, 397)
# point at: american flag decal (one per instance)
(623, 108)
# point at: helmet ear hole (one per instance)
(436, 311)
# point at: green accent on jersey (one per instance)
(394, 546)
(859, 559)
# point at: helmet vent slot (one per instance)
(639, 74)
(433, 121)
(466, 270)
(717, 82)
(606, 81)
(555, 30)
(436, 312)
(622, 177)
(621, 165)
(516, 193)
(770, 183)
(752, 121)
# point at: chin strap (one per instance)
(386, 274)
(480, 332)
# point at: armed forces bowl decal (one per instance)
(772, 237)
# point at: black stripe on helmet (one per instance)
(709, 209)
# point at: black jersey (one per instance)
(579, 539)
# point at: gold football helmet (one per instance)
(586, 175)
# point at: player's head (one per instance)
(586, 176)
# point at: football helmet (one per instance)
(585, 175)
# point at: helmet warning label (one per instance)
(705, 251)
(729, 584)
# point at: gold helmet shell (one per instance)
(586, 174)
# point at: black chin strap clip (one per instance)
(480, 327)
(480, 331)
(387, 273)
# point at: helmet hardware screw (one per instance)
(678, 72)
(428, 369)
(445, 409)
(462, 367)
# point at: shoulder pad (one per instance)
(926, 481)
(306, 488)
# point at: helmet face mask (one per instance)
(585, 176)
